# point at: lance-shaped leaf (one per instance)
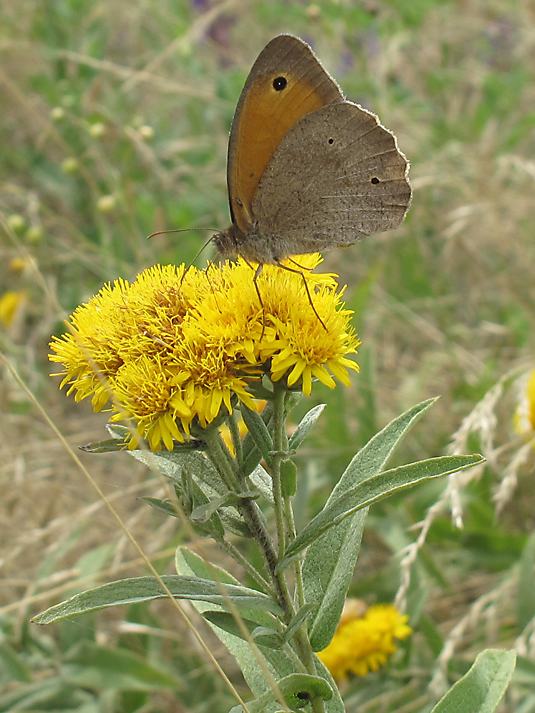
(259, 431)
(203, 512)
(298, 619)
(372, 490)
(330, 560)
(261, 634)
(261, 479)
(483, 687)
(143, 589)
(305, 426)
(298, 690)
(206, 479)
(279, 665)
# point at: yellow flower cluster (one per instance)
(177, 345)
(364, 640)
(10, 303)
(525, 412)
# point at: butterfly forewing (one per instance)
(286, 83)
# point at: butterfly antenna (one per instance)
(185, 230)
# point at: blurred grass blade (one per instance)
(93, 666)
(483, 687)
(12, 666)
(143, 589)
(330, 560)
(525, 605)
(373, 489)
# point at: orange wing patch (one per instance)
(266, 116)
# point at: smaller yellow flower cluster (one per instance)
(525, 412)
(364, 639)
(178, 345)
(10, 303)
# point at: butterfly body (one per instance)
(307, 169)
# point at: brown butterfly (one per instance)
(307, 170)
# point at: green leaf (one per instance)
(259, 431)
(203, 512)
(188, 563)
(525, 605)
(327, 573)
(107, 446)
(298, 619)
(92, 666)
(207, 486)
(165, 506)
(288, 471)
(121, 437)
(483, 687)
(278, 663)
(251, 455)
(330, 560)
(334, 704)
(211, 524)
(305, 426)
(261, 479)
(263, 635)
(298, 690)
(373, 489)
(143, 589)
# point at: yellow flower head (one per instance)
(364, 639)
(10, 304)
(176, 346)
(525, 412)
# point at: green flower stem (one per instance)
(279, 441)
(225, 466)
(286, 529)
(221, 459)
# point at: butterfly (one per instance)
(307, 169)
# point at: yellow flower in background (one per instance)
(525, 412)
(10, 303)
(364, 639)
(177, 346)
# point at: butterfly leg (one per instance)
(307, 290)
(255, 280)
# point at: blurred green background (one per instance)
(114, 120)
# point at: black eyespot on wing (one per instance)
(331, 141)
(375, 180)
(303, 695)
(279, 83)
